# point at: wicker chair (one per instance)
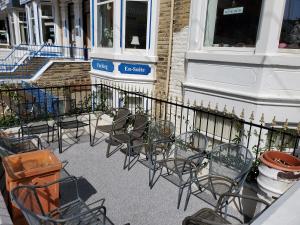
(40, 207)
(247, 209)
(229, 165)
(118, 125)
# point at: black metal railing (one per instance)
(34, 103)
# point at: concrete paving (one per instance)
(128, 197)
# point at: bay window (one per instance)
(105, 14)
(136, 24)
(232, 23)
(290, 31)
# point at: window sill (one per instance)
(278, 59)
(134, 56)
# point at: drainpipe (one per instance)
(170, 48)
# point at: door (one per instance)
(71, 20)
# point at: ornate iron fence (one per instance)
(35, 103)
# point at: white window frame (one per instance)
(229, 49)
(97, 4)
(132, 50)
(286, 50)
(47, 3)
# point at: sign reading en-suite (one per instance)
(136, 69)
(103, 65)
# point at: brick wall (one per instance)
(179, 47)
(163, 46)
(65, 73)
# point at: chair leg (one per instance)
(127, 156)
(107, 150)
(188, 195)
(179, 196)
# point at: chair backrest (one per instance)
(140, 125)
(230, 160)
(161, 130)
(121, 119)
(36, 202)
(245, 208)
(190, 144)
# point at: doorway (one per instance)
(71, 20)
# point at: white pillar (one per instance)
(78, 23)
(64, 23)
(36, 23)
(57, 23)
(270, 26)
(11, 28)
(29, 25)
(15, 15)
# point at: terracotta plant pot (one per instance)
(281, 161)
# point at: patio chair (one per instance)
(10, 144)
(118, 125)
(183, 161)
(40, 207)
(68, 123)
(133, 137)
(229, 165)
(247, 209)
(160, 138)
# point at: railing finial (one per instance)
(274, 122)
(262, 118)
(195, 103)
(286, 124)
(217, 107)
(201, 104)
(208, 106)
(233, 111)
(176, 99)
(171, 98)
(225, 109)
(242, 116)
(251, 117)
(188, 102)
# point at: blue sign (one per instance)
(138, 69)
(103, 65)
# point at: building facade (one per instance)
(52, 22)
(245, 54)
(241, 55)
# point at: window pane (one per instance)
(46, 10)
(3, 32)
(232, 23)
(105, 25)
(136, 25)
(48, 31)
(290, 31)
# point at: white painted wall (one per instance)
(261, 79)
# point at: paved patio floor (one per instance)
(128, 197)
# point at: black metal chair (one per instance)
(118, 125)
(71, 122)
(183, 161)
(133, 136)
(229, 165)
(247, 209)
(10, 144)
(70, 208)
(161, 135)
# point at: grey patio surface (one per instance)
(128, 197)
